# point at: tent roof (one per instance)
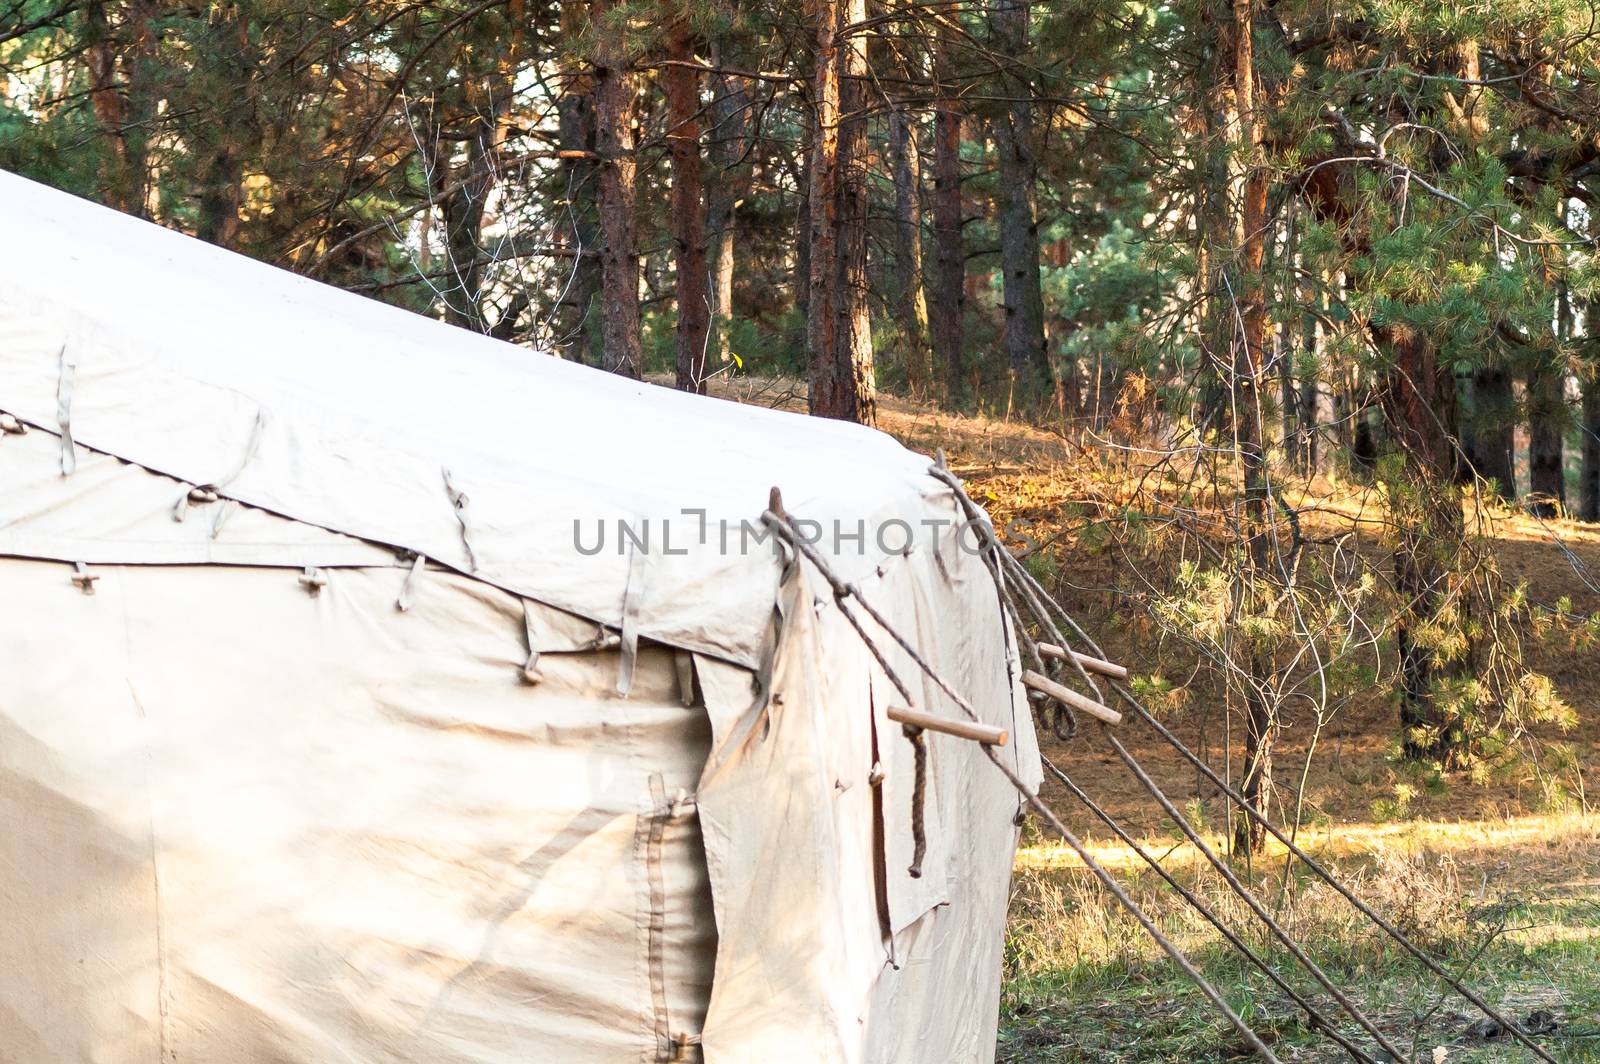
(342, 412)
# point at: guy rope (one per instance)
(1051, 662)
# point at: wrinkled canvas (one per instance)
(253, 813)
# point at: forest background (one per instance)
(1271, 330)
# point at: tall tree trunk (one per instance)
(1433, 630)
(110, 110)
(1546, 418)
(487, 103)
(1345, 414)
(730, 102)
(911, 307)
(1419, 406)
(1109, 376)
(1293, 337)
(802, 247)
(1069, 387)
(949, 291)
(856, 371)
(1488, 419)
(614, 141)
(1487, 436)
(119, 60)
(1289, 391)
(228, 65)
(1589, 478)
(572, 321)
(1249, 356)
(1311, 404)
(839, 330)
(822, 323)
(688, 217)
(1219, 220)
(1307, 441)
(573, 324)
(1026, 355)
(463, 210)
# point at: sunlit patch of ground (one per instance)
(1559, 842)
(1513, 905)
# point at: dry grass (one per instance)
(1478, 873)
(1515, 905)
(1052, 487)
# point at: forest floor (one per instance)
(1482, 874)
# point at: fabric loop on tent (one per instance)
(313, 580)
(10, 426)
(632, 598)
(197, 495)
(250, 449)
(531, 673)
(681, 1044)
(64, 385)
(458, 502)
(408, 587)
(223, 513)
(211, 491)
(681, 804)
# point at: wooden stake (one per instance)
(1095, 665)
(1067, 696)
(961, 729)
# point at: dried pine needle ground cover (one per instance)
(1473, 870)
(1480, 872)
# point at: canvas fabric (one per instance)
(372, 758)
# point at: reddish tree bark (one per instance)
(1249, 356)
(838, 332)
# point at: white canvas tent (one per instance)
(361, 749)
